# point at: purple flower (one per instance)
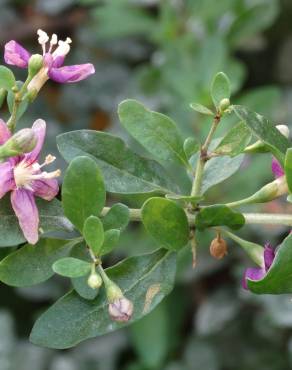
(23, 177)
(121, 309)
(53, 60)
(257, 273)
(277, 168)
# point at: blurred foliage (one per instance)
(165, 53)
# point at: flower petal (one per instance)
(39, 128)
(252, 273)
(6, 178)
(4, 132)
(45, 188)
(23, 204)
(277, 168)
(16, 55)
(71, 74)
(269, 255)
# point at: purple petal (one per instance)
(252, 273)
(269, 255)
(277, 168)
(46, 188)
(58, 61)
(39, 128)
(71, 74)
(24, 206)
(16, 55)
(6, 178)
(4, 132)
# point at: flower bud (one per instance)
(24, 141)
(35, 64)
(284, 130)
(218, 248)
(94, 281)
(121, 309)
(224, 104)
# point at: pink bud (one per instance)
(121, 309)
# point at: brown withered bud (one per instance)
(218, 247)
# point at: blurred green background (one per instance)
(164, 53)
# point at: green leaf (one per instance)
(288, 168)
(235, 141)
(71, 267)
(219, 215)
(32, 264)
(111, 239)
(219, 169)
(51, 219)
(80, 284)
(220, 88)
(83, 192)
(191, 146)
(7, 79)
(124, 172)
(145, 280)
(278, 278)
(166, 222)
(117, 217)
(93, 234)
(155, 131)
(22, 107)
(264, 131)
(201, 109)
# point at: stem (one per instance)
(250, 218)
(197, 184)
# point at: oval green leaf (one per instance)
(93, 233)
(111, 239)
(83, 191)
(117, 217)
(220, 88)
(7, 79)
(166, 222)
(71, 267)
(155, 131)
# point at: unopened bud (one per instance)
(35, 64)
(121, 309)
(24, 141)
(94, 281)
(284, 130)
(224, 104)
(218, 248)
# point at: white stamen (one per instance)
(43, 39)
(63, 48)
(54, 41)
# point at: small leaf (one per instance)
(219, 215)
(145, 280)
(117, 217)
(278, 278)
(111, 239)
(166, 222)
(288, 168)
(7, 79)
(264, 131)
(93, 234)
(71, 267)
(201, 109)
(22, 107)
(83, 192)
(124, 171)
(32, 264)
(235, 141)
(220, 88)
(191, 146)
(155, 131)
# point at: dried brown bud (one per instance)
(218, 248)
(121, 309)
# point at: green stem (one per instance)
(197, 183)
(250, 218)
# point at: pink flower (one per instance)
(257, 273)
(53, 60)
(277, 168)
(23, 177)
